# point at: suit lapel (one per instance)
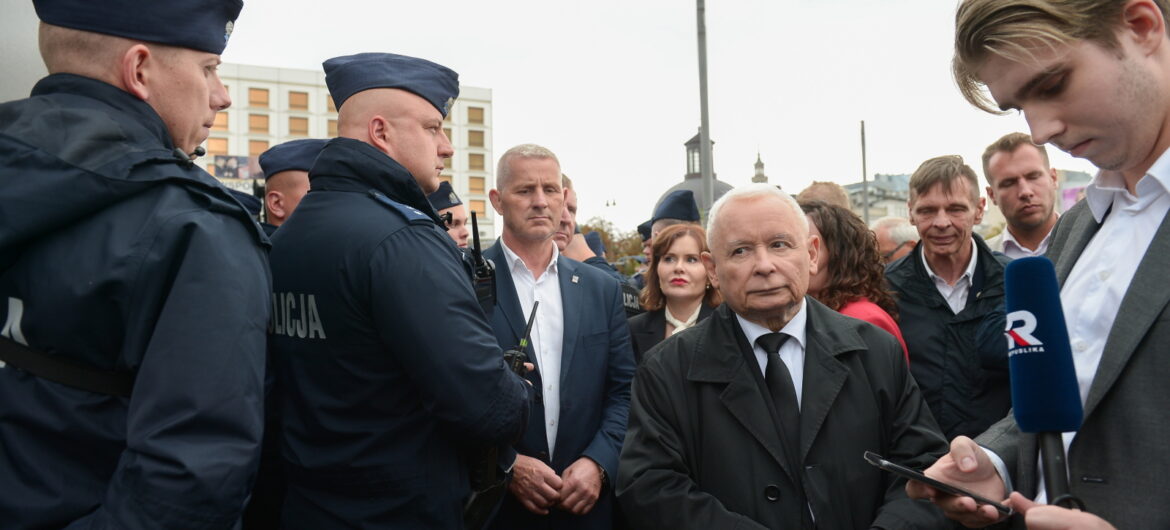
(824, 376)
(1084, 227)
(506, 300)
(1143, 303)
(720, 360)
(654, 330)
(571, 311)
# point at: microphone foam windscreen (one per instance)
(1045, 395)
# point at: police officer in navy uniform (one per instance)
(639, 278)
(286, 178)
(452, 212)
(387, 369)
(133, 286)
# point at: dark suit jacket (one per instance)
(1118, 461)
(703, 449)
(649, 328)
(596, 368)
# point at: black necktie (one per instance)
(779, 382)
(783, 392)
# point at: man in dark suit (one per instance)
(1094, 85)
(580, 345)
(758, 416)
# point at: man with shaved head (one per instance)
(376, 407)
(132, 284)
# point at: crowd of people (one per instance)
(166, 361)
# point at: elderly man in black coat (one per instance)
(758, 416)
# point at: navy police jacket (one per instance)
(387, 370)
(120, 255)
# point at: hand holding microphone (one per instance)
(1046, 399)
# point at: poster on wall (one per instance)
(236, 167)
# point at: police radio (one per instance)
(515, 357)
(483, 273)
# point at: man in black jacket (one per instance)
(136, 282)
(950, 301)
(758, 416)
(376, 407)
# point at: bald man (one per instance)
(377, 408)
(286, 178)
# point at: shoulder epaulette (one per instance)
(410, 213)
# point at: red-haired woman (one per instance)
(677, 294)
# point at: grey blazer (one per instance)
(1119, 462)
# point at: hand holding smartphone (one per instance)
(877, 461)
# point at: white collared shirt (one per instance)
(1091, 295)
(955, 295)
(791, 352)
(548, 331)
(1014, 250)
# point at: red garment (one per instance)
(863, 309)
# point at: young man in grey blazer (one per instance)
(1091, 77)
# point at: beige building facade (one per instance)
(275, 105)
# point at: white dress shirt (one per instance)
(1014, 250)
(955, 295)
(1091, 295)
(791, 352)
(548, 331)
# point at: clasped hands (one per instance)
(538, 488)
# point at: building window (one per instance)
(474, 114)
(447, 131)
(221, 121)
(298, 126)
(475, 161)
(475, 184)
(478, 206)
(446, 178)
(475, 138)
(258, 123)
(298, 100)
(256, 147)
(258, 97)
(217, 146)
(447, 163)
(332, 128)
(329, 106)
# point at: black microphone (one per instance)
(1046, 398)
(198, 152)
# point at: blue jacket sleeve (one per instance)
(607, 443)
(194, 421)
(423, 303)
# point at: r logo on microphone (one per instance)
(1020, 326)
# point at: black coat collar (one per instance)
(346, 164)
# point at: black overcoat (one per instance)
(703, 451)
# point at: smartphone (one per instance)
(902, 471)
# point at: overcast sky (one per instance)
(612, 86)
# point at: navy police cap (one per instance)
(351, 74)
(593, 239)
(444, 197)
(295, 155)
(203, 25)
(679, 204)
(644, 230)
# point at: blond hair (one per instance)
(829, 192)
(1014, 29)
